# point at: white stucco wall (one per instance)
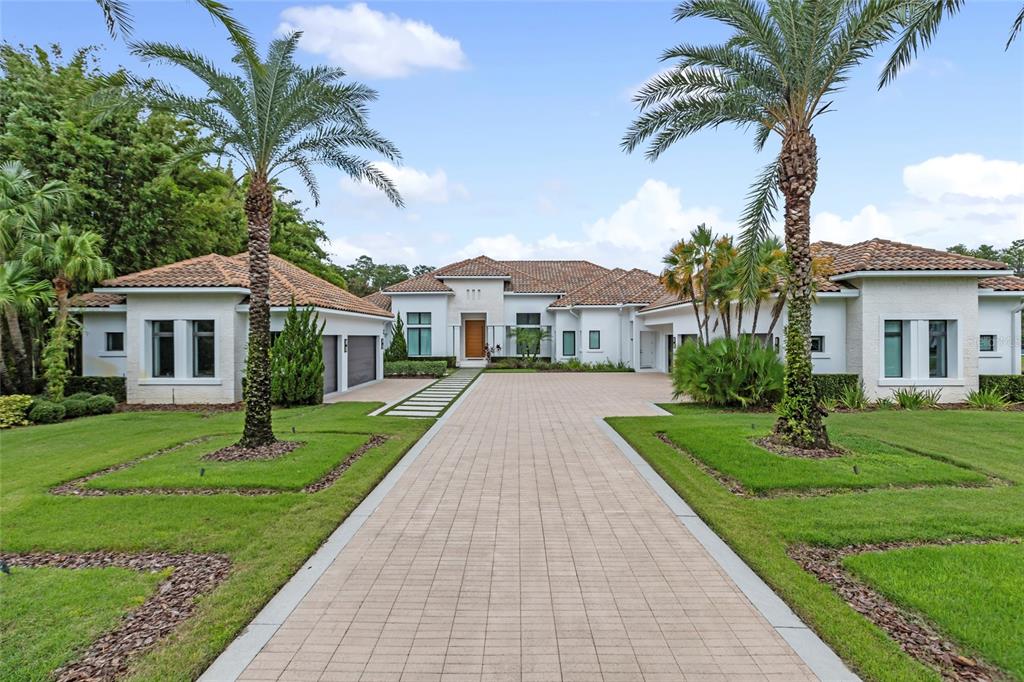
(96, 360)
(614, 325)
(997, 316)
(828, 319)
(437, 306)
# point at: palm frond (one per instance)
(1015, 29)
(117, 15)
(756, 220)
(920, 22)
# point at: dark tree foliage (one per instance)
(297, 360)
(364, 276)
(1013, 255)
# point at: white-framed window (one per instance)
(817, 344)
(527, 319)
(594, 339)
(203, 348)
(418, 334)
(162, 355)
(987, 343)
(921, 350)
(114, 342)
(569, 344)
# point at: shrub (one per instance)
(80, 395)
(853, 398)
(59, 343)
(1009, 385)
(831, 386)
(74, 407)
(100, 404)
(728, 372)
(914, 399)
(297, 360)
(987, 399)
(13, 410)
(415, 368)
(112, 386)
(397, 350)
(45, 412)
(885, 403)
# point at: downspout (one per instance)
(1015, 340)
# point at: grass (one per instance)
(48, 616)
(963, 589)
(185, 468)
(267, 537)
(948, 447)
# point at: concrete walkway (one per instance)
(388, 391)
(522, 545)
(435, 398)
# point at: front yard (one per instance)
(259, 519)
(918, 524)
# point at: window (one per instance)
(987, 344)
(568, 344)
(163, 348)
(594, 339)
(817, 344)
(115, 342)
(893, 348)
(527, 319)
(938, 349)
(418, 333)
(203, 348)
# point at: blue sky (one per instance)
(509, 115)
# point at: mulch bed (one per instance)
(109, 656)
(236, 453)
(772, 445)
(77, 487)
(915, 635)
(205, 409)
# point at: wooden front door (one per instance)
(474, 338)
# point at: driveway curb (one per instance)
(818, 656)
(243, 649)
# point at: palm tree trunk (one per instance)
(62, 289)
(22, 366)
(753, 323)
(259, 207)
(799, 422)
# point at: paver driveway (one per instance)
(522, 544)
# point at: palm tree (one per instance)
(21, 290)
(775, 75)
(770, 269)
(25, 209)
(72, 259)
(920, 23)
(271, 117)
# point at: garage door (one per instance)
(362, 359)
(330, 364)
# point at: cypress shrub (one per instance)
(398, 350)
(297, 360)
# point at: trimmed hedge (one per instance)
(831, 386)
(450, 361)
(100, 404)
(112, 386)
(46, 412)
(1010, 385)
(415, 368)
(75, 407)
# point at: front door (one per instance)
(474, 338)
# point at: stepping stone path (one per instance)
(435, 398)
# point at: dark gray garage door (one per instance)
(362, 359)
(330, 364)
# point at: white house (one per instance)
(178, 333)
(896, 314)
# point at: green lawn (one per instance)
(50, 615)
(267, 537)
(928, 449)
(963, 589)
(186, 468)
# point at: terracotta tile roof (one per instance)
(379, 299)
(423, 284)
(881, 254)
(617, 287)
(287, 281)
(95, 300)
(1008, 283)
(481, 266)
(524, 276)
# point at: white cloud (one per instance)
(370, 43)
(383, 248)
(968, 175)
(414, 185)
(963, 198)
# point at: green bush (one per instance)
(398, 350)
(100, 404)
(297, 360)
(45, 412)
(81, 395)
(913, 398)
(833, 386)
(415, 368)
(1010, 385)
(13, 410)
(728, 372)
(853, 398)
(74, 407)
(113, 386)
(987, 399)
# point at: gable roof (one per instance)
(523, 276)
(880, 255)
(1007, 283)
(287, 282)
(379, 299)
(618, 287)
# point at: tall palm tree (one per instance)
(271, 117)
(775, 74)
(72, 259)
(25, 209)
(21, 290)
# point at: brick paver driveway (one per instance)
(522, 544)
